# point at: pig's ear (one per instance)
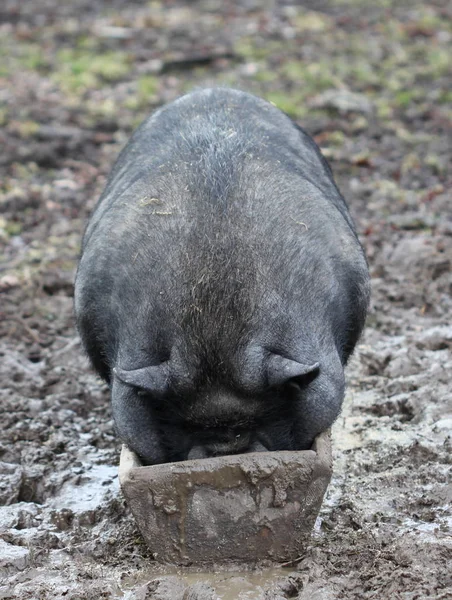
(281, 369)
(151, 379)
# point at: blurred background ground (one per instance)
(371, 81)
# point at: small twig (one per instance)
(71, 344)
(189, 62)
(289, 563)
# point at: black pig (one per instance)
(221, 287)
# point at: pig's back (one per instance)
(220, 151)
(220, 213)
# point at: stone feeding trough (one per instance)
(254, 508)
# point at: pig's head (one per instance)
(265, 401)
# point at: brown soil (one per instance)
(371, 82)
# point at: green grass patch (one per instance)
(32, 57)
(18, 54)
(309, 20)
(80, 69)
(439, 61)
(254, 49)
(146, 94)
(404, 98)
(13, 228)
(292, 105)
(311, 78)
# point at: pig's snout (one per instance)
(225, 443)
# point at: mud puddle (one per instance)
(226, 584)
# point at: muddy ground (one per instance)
(370, 80)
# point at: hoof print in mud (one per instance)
(256, 507)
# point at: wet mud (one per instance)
(371, 82)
